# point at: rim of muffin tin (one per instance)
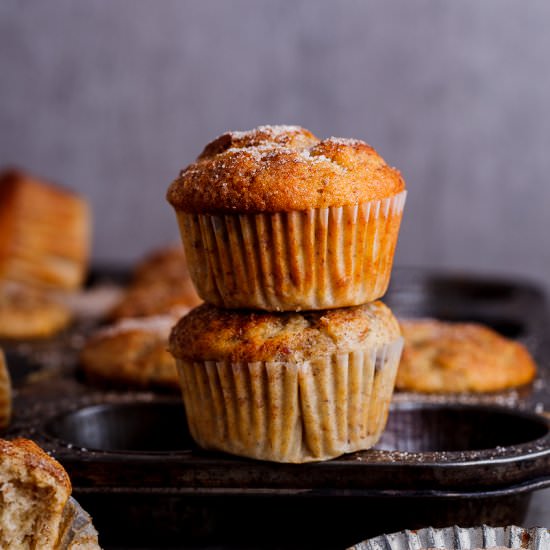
(516, 468)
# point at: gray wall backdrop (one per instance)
(113, 97)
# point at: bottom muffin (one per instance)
(287, 387)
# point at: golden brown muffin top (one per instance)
(25, 457)
(160, 283)
(133, 352)
(212, 334)
(280, 169)
(441, 356)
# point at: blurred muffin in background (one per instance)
(5, 393)
(28, 313)
(160, 283)
(44, 233)
(445, 357)
(132, 352)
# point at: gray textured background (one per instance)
(113, 97)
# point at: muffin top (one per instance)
(280, 169)
(209, 333)
(446, 357)
(26, 459)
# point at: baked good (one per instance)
(446, 357)
(287, 387)
(132, 353)
(160, 283)
(28, 313)
(275, 219)
(34, 489)
(5, 393)
(44, 232)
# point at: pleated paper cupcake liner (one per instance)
(289, 261)
(77, 531)
(459, 538)
(291, 412)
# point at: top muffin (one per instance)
(282, 169)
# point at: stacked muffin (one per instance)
(290, 242)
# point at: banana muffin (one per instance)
(276, 219)
(444, 357)
(287, 387)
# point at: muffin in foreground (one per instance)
(278, 220)
(34, 490)
(293, 387)
(36, 508)
(445, 357)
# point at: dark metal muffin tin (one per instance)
(442, 460)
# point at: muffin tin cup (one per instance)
(482, 537)
(312, 259)
(291, 412)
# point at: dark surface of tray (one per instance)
(461, 459)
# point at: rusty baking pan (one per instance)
(440, 461)
(134, 460)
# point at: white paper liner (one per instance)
(291, 412)
(288, 261)
(460, 538)
(77, 531)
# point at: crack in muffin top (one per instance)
(281, 169)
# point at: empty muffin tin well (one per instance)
(148, 427)
(458, 428)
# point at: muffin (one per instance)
(132, 353)
(287, 387)
(444, 357)
(27, 313)
(275, 219)
(44, 233)
(34, 489)
(5, 393)
(160, 283)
